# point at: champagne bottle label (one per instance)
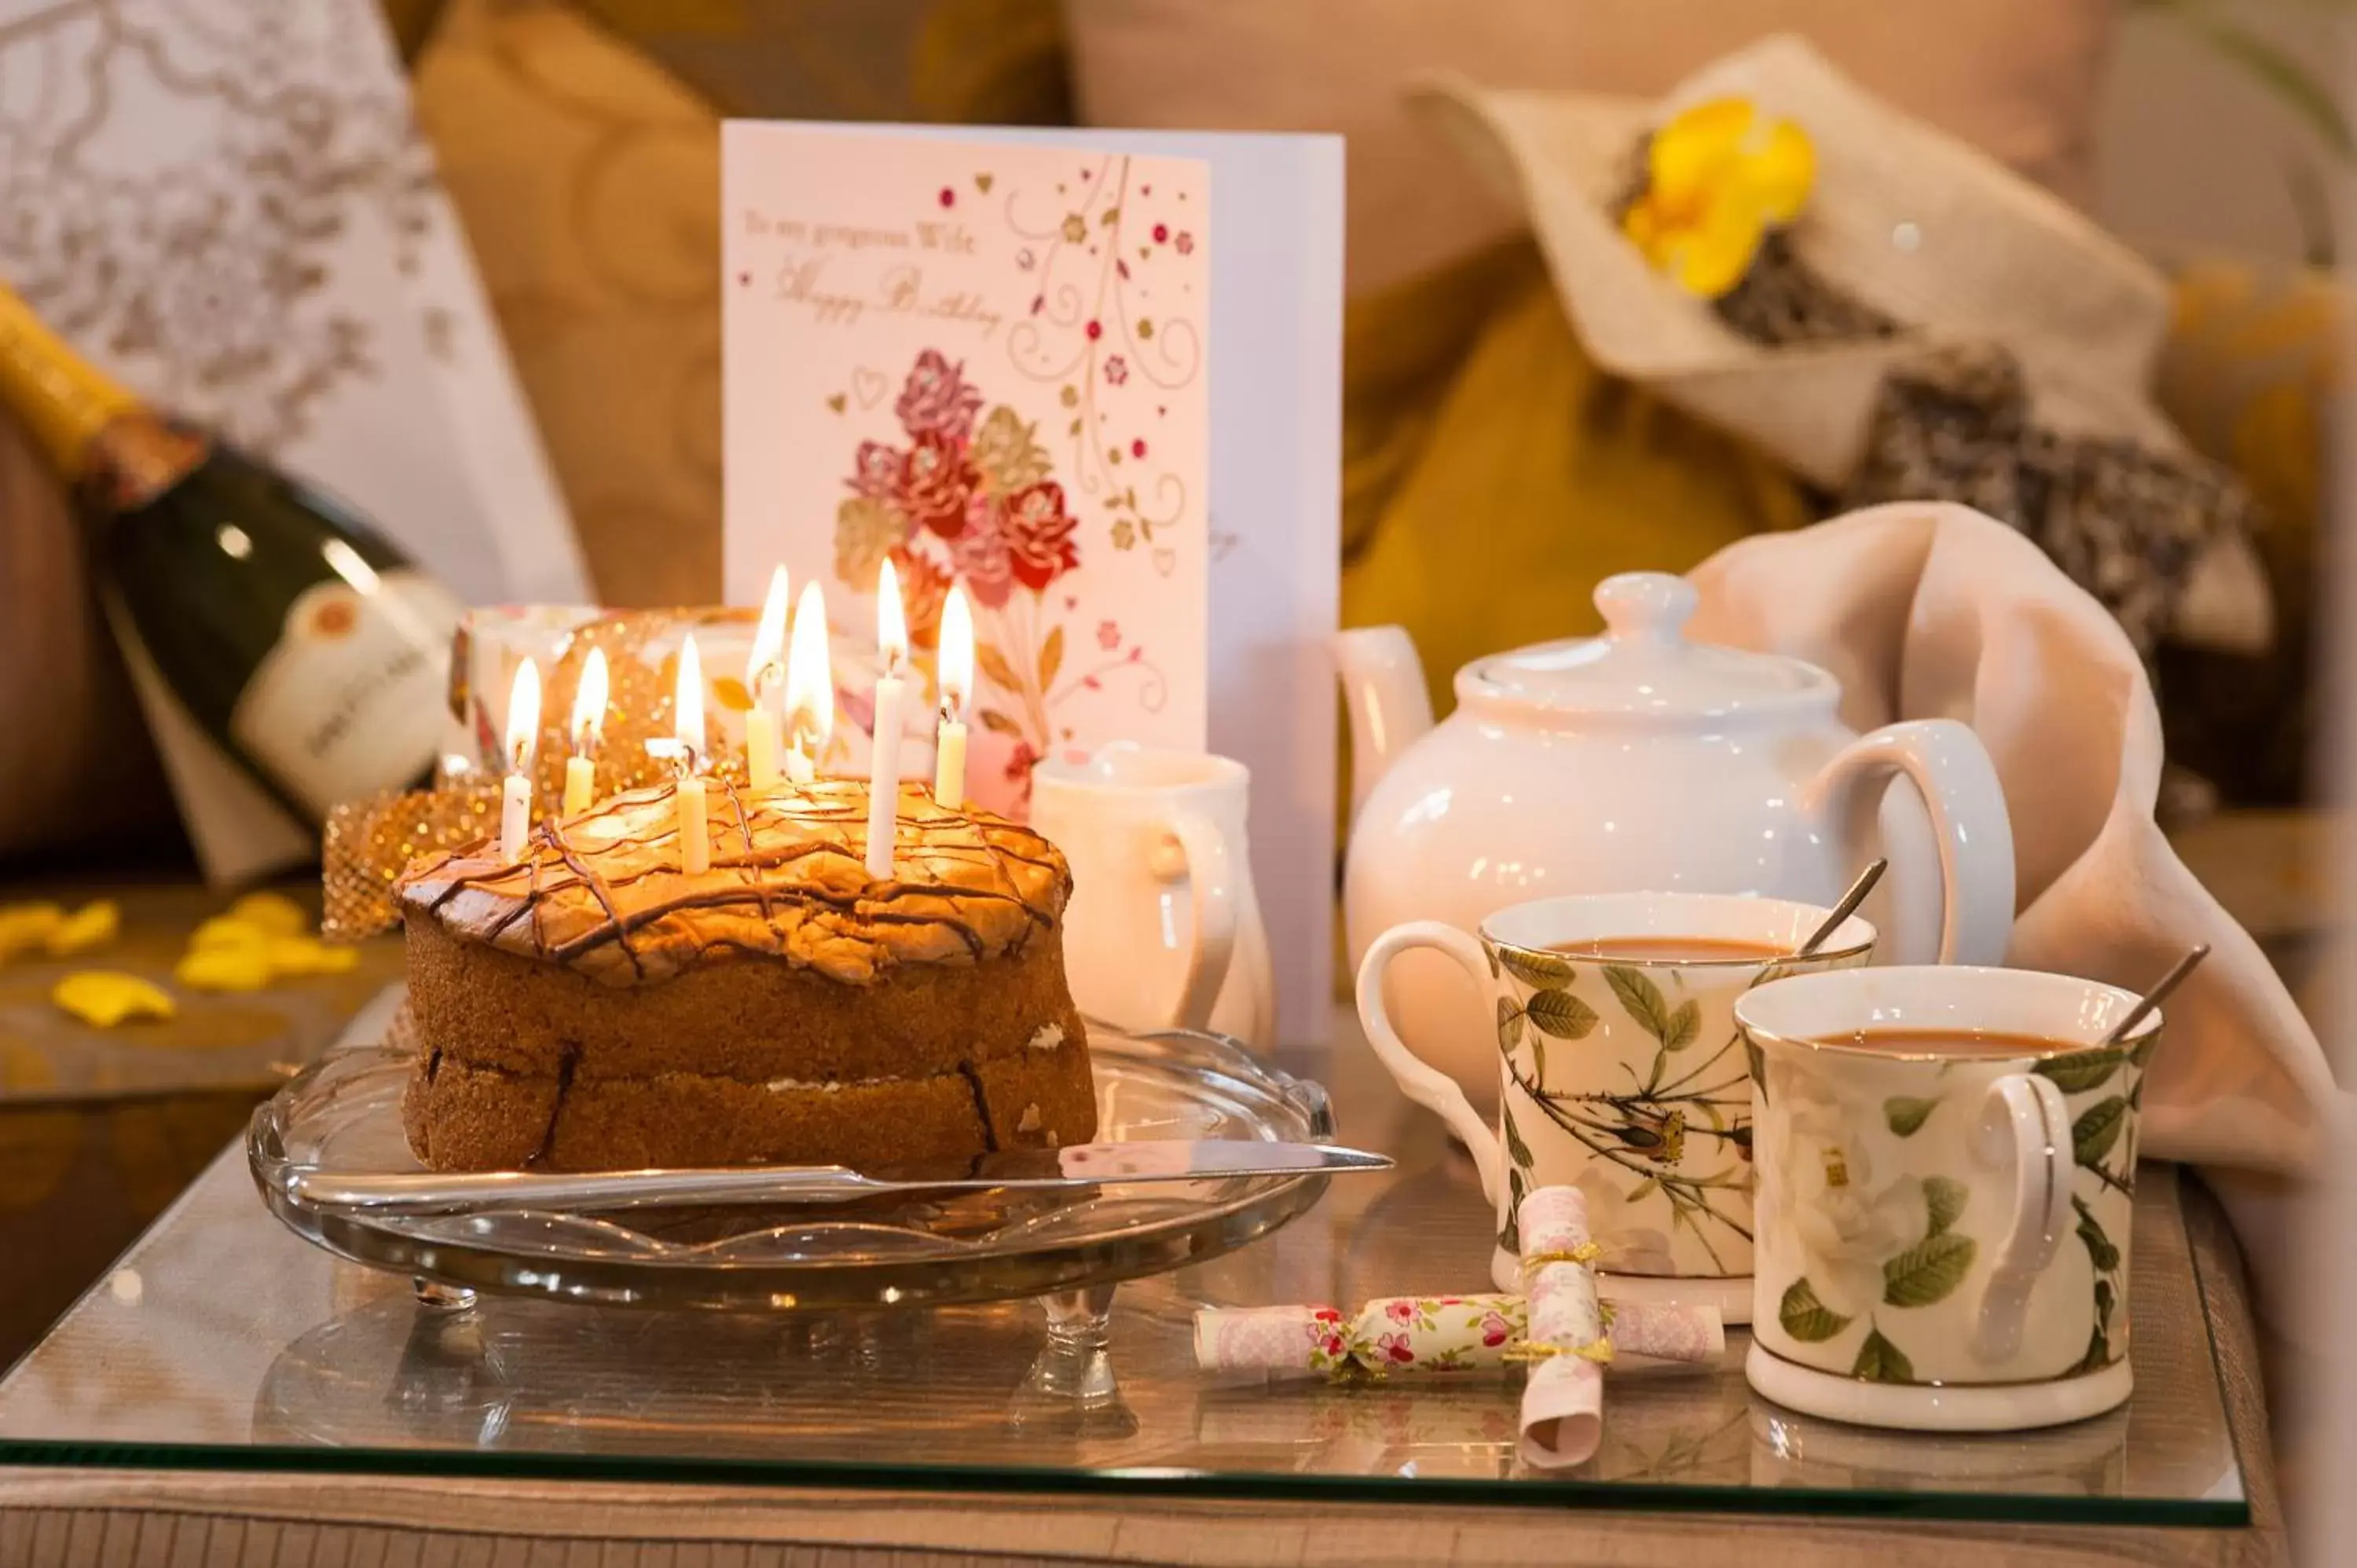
(350, 702)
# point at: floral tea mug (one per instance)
(1946, 1159)
(1620, 1074)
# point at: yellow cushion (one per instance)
(1494, 476)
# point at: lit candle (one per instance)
(524, 735)
(686, 752)
(764, 675)
(810, 688)
(956, 682)
(588, 721)
(884, 772)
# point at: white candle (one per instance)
(809, 687)
(589, 723)
(763, 676)
(891, 690)
(688, 750)
(522, 736)
(956, 681)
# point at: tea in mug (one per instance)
(1674, 950)
(1984, 1044)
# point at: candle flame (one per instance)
(957, 653)
(769, 637)
(891, 619)
(810, 679)
(687, 706)
(589, 703)
(523, 716)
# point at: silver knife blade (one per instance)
(1077, 1165)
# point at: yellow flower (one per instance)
(275, 914)
(108, 997)
(224, 969)
(95, 922)
(227, 932)
(24, 927)
(1717, 177)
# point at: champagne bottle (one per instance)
(291, 630)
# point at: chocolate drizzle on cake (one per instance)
(602, 893)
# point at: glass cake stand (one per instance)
(1068, 1250)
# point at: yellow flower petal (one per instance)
(1711, 258)
(224, 969)
(95, 922)
(276, 914)
(24, 927)
(227, 932)
(107, 997)
(1777, 170)
(308, 955)
(1695, 149)
(1643, 225)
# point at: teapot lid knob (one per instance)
(1653, 607)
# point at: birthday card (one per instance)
(1093, 377)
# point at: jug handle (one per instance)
(1197, 852)
(1951, 768)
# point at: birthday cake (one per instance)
(589, 1006)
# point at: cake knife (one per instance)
(1048, 1170)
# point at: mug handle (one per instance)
(1951, 770)
(2024, 1116)
(1427, 1086)
(1203, 854)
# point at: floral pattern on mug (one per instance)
(1639, 1067)
(1872, 1250)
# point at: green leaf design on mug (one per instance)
(1510, 1024)
(1516, 1150)
(1510, 1234)
(1906, 1113)
(2097, 1129)
(1805, 1318)
(1489, 952)
(2081, 1070)
(1758, 1060)
(1928, 1272)
(1535, 968)
(1944, 1196)
(2100, 1249)
(1562, 1014)
(2141, 1052)
(1881, 1361)
(2098, 1355)
(1640, 999)
(1684, 1026)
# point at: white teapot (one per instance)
(1639, 761)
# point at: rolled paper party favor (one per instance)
(1408, 1334)
(1563, 1404)
(1390, 1334)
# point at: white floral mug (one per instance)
(1620, 1074)
(1946, 1160)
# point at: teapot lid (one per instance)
(1644, 664)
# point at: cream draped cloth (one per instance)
(1930, 609)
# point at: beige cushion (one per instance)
(2016, 77)
(590, 184)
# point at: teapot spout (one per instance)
(1383, 686)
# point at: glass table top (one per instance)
(223, 1341)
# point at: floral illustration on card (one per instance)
(968, 494)
(984, 365)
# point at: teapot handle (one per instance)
(1949, 767)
